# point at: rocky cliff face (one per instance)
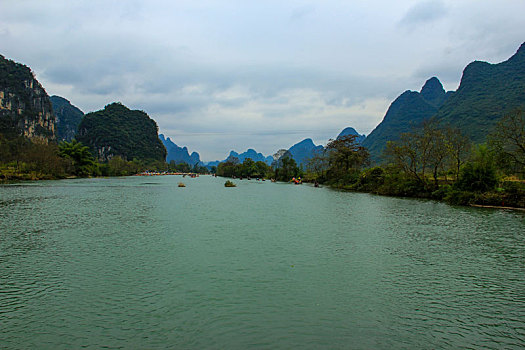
(25, 108)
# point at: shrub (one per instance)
(441, 192)
(459, 197)
(476, 177)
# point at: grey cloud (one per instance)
(424, 12)
(253, 68)
(301, 12)
(449, 74)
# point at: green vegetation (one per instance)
(409, 109)
(24, 159)
(508, 142)
(79, 158)
(119, 131)
(339, 164)
(437, 162)
(229, 183)
(13, 75)
(184, 167)
(246, 169)
(286, 169)
(21, 159)
(487, 93)
(283, 170)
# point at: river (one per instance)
(138, 262)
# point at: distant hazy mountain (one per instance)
(119, 131)
(409, 109)
(68, 118)
(352, 131)
(250, 153)
(179, 154)
(303, 151)
(253, 154)
(486, 93)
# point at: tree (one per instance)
(248, 168)
(345, 157)
(459, 147)
(262, 169)
(120, 167)
(404, 155)
(286, 168)
(43, 158)
(478, 175)
(228, 168)
(317, 165)
(82, 161)
(437, 149)
(424, 148)
(508, 141)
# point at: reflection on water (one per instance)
(126, 263)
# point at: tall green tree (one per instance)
(229, 168)
(479, 174)
(346, 157)
(81, 160)
(262, 169)
(317, 166)
(286, 168)
(248, 168)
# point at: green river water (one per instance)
(139, 263)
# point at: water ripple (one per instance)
(119, 263)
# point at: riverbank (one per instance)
(509, 195)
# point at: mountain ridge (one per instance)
(68, 117)
(351, 131)
(302, 151)
(407, 110)
(485, 94)
(179, 154)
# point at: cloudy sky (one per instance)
(237, 74)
